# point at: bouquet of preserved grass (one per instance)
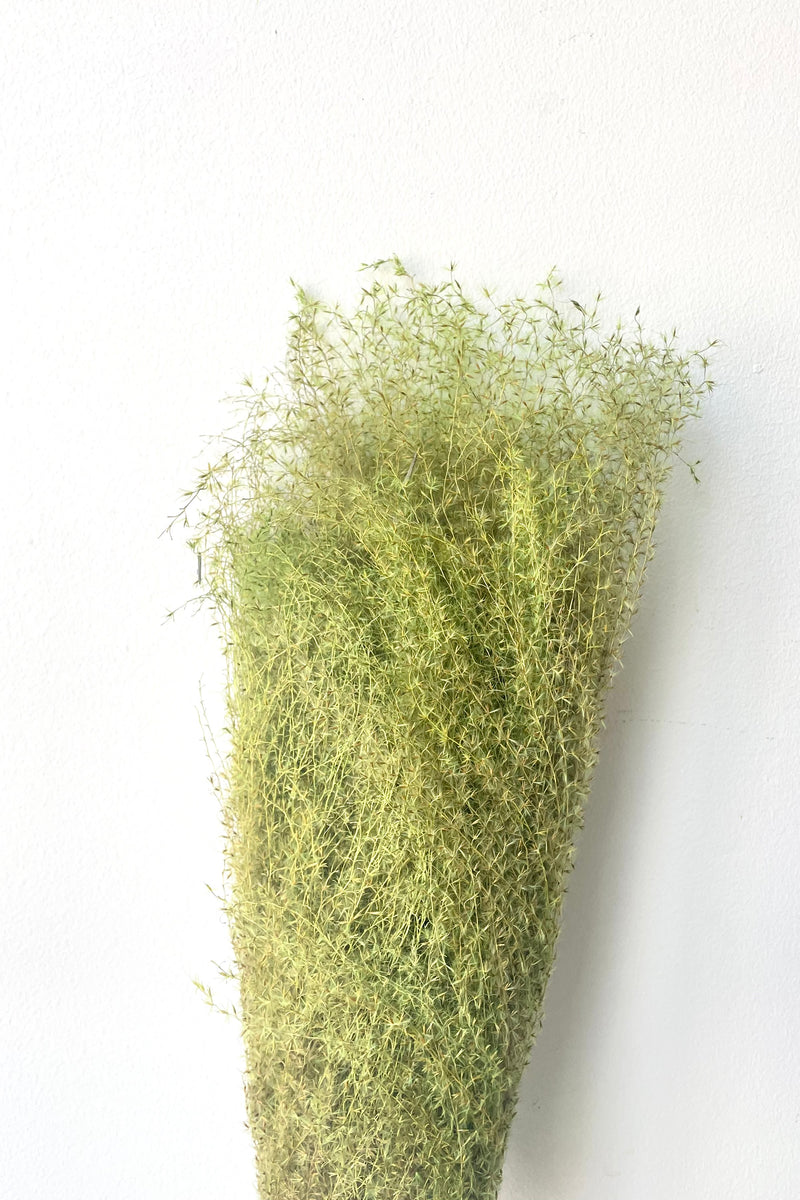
(425, 548)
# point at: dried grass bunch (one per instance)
(424, 547)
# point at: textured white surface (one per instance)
(168, 164)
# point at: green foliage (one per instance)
(424, 549)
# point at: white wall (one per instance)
(167, 165)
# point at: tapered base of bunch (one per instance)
(386, 1061)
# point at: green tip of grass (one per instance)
(425, 552)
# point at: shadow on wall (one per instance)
(552, 1139)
